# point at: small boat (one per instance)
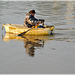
(18, 29)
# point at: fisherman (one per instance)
(31, 21)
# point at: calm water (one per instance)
(38, 54)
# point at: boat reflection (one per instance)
(31, 43)
(30, 46)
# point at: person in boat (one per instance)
(30, 20)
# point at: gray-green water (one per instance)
(56, 55)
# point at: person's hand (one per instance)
(43, 20)
(39, 22)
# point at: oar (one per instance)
(21, 34)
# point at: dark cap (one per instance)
(32, 11)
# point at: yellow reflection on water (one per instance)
(31, 43)
(69, 13)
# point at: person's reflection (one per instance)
(30, 42)
(31, 46)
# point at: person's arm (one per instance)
(34, 21)
(42, 21)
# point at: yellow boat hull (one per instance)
(18, 29)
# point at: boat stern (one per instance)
(6, 26)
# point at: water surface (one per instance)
(52, 54)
